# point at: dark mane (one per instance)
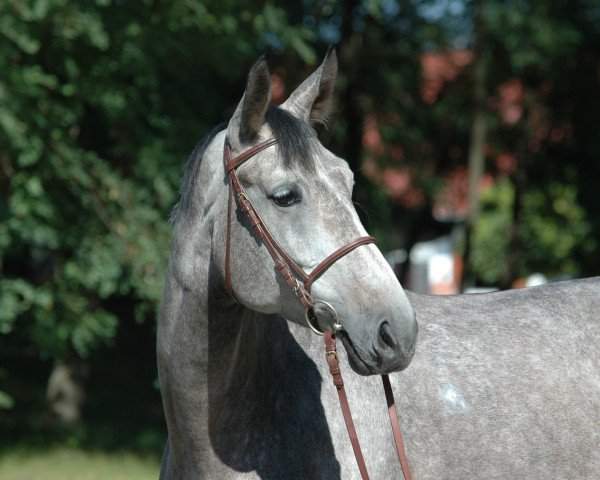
(295, 140)
(191, 171)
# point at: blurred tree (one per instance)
(427, 86)
(533, 53)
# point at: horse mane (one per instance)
(295, 140)
(191, 171)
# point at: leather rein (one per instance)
(290, 271)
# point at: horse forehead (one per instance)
(337, 169)
(324, 170)
(264, 167)
(331, 169)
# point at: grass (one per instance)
(62, 463)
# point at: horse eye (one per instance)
(285, 197)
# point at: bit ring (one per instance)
(335, 327)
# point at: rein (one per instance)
(290, 270)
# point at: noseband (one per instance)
(290, 271)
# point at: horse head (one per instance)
(302, 194)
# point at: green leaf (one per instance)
(6, 401)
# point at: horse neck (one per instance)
(261, 386)
(252, 357)
(235, 383)
(232, 378)
(242, 348)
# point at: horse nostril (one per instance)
(385, 333)
(394, 344)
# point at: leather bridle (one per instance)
(290, 271)
(286, 266)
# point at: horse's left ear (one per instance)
(250, 113)
(313, 99)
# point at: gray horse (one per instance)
(502, 385)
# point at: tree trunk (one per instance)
(514, 244)
(476, 158)
(65, 394)
(478, 139)
(350, 109)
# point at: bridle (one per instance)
(286, 266)
(290, 271)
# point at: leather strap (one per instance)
(393, 414)
(232, 164)
(334, 257)
(334, 369)
(228, 247)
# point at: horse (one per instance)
(498, 385)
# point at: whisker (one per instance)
(364, 210)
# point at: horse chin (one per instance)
(354, 359)
(363, 366)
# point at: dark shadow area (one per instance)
(122, 409)
(268, 417)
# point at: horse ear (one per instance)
(313, 99)
(250, 113)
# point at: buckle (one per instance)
(333, 353)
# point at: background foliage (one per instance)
(100, 102)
